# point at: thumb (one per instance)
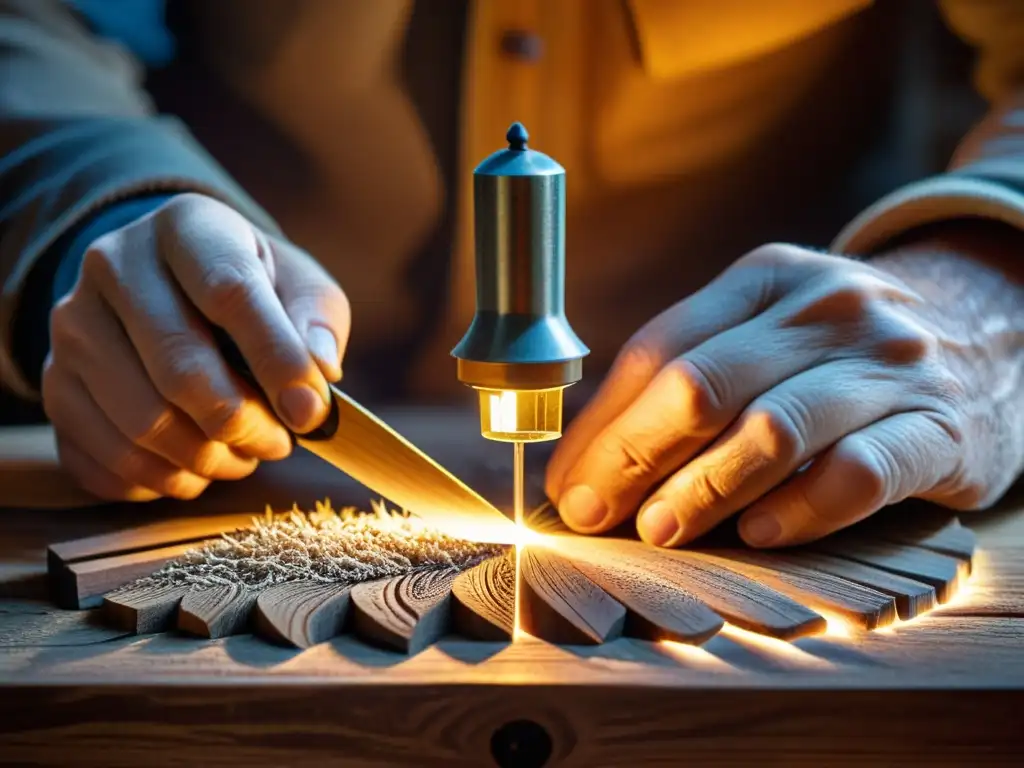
(316, 305)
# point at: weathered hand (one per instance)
(807, 389)
(141, 400)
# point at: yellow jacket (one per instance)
(690, 130)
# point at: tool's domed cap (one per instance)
(518, 159)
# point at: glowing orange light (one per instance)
(772, 645)
(516, 623)
(838, 626)
(696, 656)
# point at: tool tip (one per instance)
(517, 136)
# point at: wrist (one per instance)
(992, 244)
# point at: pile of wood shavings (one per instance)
(324, 546)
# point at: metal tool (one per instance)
(362, 446)
(520, 352)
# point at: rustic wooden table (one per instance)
(944, 689)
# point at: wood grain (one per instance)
(952, 675)
(37, 624)
(83, 584)
(466, 726)
(949, 538)
(865, 607)
(559, 604)
(144, 610)
(734, 597)
(655, 610)
(913, 598)
(483, 600)
(921, 525)
(943, 572)
(217, 611)
(302, 613)
(163, 533)
(406, 613)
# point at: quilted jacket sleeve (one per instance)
(77, 132)
(986, 176)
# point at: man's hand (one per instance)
(808, 389)
(141, 400)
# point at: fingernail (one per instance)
(300, 405)
(657, 524)
(324, 347)
(761, 531)
(582, 507)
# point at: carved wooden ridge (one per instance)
(573, 589)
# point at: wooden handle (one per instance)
(236, 361)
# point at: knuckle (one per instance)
(130, 464)
(841, 301)
(778, 433)
(184, 485)
(632, 461)
(868, 465)
(642, 356)
(99, 264)
(178, 374)
(206, 459)
(704, 494)
(228, 287)
(153, 428)
(186, 201)
(226, 421)
(771, 254)
(900, 341)
(697, 395)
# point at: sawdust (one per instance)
(322, 545)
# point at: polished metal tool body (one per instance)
(520, 351)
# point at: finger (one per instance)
(176, 350)
(901, 456)
(689, 403)
(734, 297)
(96, 479)
(87, 331)
(777, 434)
(218, 258)
(317, 306)
(78, 418)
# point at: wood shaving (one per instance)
(322, 545)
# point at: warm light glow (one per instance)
(696, 656)
(838, 626)
(503, 411)
(526, 536)
(523, 416)
(772, 645)
(516, 622)
(967, 591)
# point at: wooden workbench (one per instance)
(942, 690)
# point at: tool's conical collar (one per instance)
(518, 159)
